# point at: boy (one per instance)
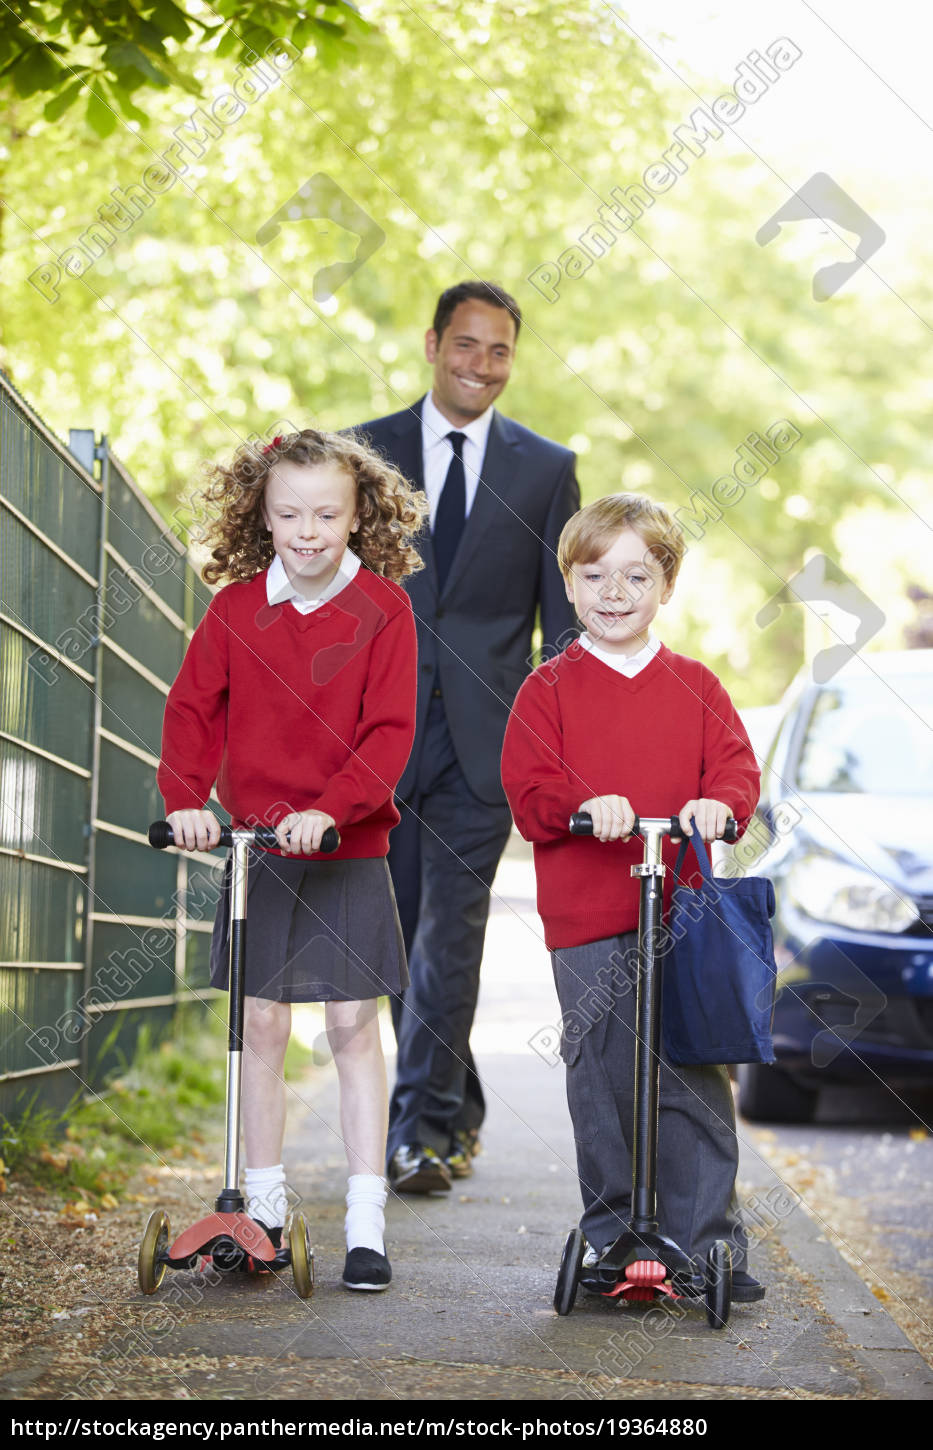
(614, 724)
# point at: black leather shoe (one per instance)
(745, 1289)
(463, 1150)
(413, 1169)
(366, 1269)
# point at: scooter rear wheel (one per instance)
(150, 1267)
(299, 1243)
(568, 1275)
(718, 1284)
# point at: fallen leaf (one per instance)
(917, 1135)
(108, 1201)
(54, 1160)
(879, 1293)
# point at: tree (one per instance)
(106, 53)
(472, 153)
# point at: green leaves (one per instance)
(36, 69)
(131, 44)
(101, 116)
(127, 57)
(477, 153)
(59, 104)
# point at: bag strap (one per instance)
(701, 851)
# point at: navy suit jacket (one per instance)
(474, 637)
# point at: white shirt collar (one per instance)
(435, 427)
(624, 664)
(280, 590)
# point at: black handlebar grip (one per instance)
(160, 836)
(581, 824)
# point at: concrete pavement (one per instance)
(469, 1313)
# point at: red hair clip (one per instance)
(274, 444)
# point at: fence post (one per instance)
(101, 452)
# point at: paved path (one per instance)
(469, 1316)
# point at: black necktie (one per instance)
(451, 511)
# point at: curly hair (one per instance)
(390, 511)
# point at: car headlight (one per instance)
(833, 891)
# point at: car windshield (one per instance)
(871, 736)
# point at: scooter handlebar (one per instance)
(581, 824)
(161, 836)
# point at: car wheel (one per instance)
(768, 1095)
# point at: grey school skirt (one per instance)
(316, 931)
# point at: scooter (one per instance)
(228, 1237)
(643, 1264)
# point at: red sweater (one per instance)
(579, 729)
(291, 712)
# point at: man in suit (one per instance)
(499, 496)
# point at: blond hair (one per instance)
(588, 534)
(390, 511)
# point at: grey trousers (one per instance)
(697, 1148)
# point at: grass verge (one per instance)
(161, 1102)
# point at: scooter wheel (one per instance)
(568, 1275)
(718, 1284)
(150, 1265)
(299, 1244)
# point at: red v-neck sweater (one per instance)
(580, 729)
(291, 712)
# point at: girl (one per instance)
(297, 696)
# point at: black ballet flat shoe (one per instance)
(282, 1258)
(366, 1269)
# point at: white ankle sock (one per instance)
(365, 1220)
(266, 1198)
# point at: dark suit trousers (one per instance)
(443, 857)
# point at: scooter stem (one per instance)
(648, 1028)
(230, 1199)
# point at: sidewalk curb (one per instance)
(880, 1344)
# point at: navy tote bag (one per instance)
(719, 969)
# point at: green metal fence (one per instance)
(98, 932)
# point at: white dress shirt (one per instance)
(437, 451)
(280, 590)
(629, 665)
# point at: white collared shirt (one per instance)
(437, 451)
(629, 665)
(280, 590)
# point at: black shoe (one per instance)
(366, 1269)
(274, 1235)
(595, 1280)
(413, 1169)
(282, 1253)
(745, 1289)
(463, 1150)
